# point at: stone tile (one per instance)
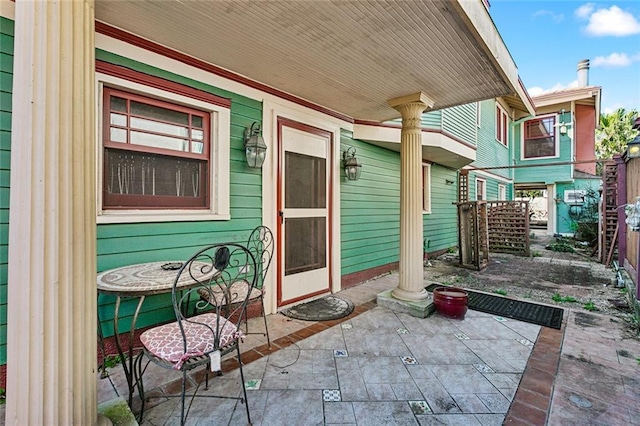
(436, 395)
(457, 379)
(339, 413)
(384, 342)
(352, 384)
(383, 369)
(406, 391)
(470, 403)
(490, 419)
(495, 402)
(384, 413)
(330, 338)
(294, 407)
(449, 420)
(380, 392)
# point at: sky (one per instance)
(547, 39)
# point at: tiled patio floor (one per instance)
(377, 367)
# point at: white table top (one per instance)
(147, 278)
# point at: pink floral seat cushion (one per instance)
(237, 293)
(165, 342)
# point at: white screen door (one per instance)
(303, 209)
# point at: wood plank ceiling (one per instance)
(348, 56)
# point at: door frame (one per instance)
(272, 111)
(286, 122)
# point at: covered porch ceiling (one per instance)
(350, 57)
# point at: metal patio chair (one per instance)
(201, 340)
(261, 245)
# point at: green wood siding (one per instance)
(6, 89)
(441, 225)
(490, 152)
(370, 208)
(122, 244)
(460, 121)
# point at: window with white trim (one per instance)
(481, 189)
(502, 126)
(502, 192)
(539, 139)
(426, 188)
(160, 155)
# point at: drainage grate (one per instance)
(534, 313)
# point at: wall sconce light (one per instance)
(633, 147)
(563, 127)
(557, 198)
(633, 215)
(449, 181)
(352, 167)
(254, 147)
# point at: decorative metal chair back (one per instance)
(199, 340)
(214, 270)
(261, 245)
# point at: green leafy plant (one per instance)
(560, 246)
(558, 298)
(3, 396)
(111, 361)
(590, 306)
(501, 292)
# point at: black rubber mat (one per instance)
(534, 313)
(324, 309)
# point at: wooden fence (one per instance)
(508, 223)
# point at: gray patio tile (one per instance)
(383, 370)
(377, 319)
(313, 381)
(487, 328)
(293, 407)
(436, 395)
(163, 413)
(406, 391)
(503, 380)
(384, 413)
(257, 401)
(509, 393)
(458, 379)
(207, 411)
(352, 386)
(339, 413)
(380, 392)
(495, 402)
(525, 329)
(497, 363)
(490, 419)
(470, 403)
(383, 343)
(449, 420)
(331, 338)
(419, 372)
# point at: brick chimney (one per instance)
(583, 73)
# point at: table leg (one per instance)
(127, 362)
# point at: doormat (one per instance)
(324, 309)
(534, 313)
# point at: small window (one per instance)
(502, 192)
(156, 154)
(539, 138)
(481, 192)
(502, 126)
(426, 188)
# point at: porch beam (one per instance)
(51, 312)
(411, 280)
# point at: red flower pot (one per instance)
(450, 302)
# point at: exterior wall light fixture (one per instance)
(633, 215)
(352, 167)
(633, 147)
(254, 146)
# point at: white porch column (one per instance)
(411, 286)
(51, 315)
